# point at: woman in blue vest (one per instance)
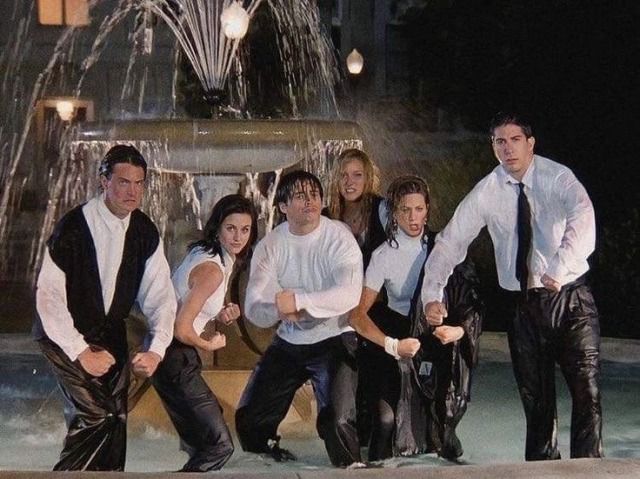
(201, 282)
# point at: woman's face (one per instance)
(235, 232)
(352, 180)
(411, 214)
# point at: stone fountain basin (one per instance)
(224, 146)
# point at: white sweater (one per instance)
(324, 268)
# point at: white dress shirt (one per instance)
(156, 296)
(563, 225)
(324, 268)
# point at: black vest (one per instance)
(72, 249)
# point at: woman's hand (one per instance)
(407, 348)
(217, 341)
(448, 334)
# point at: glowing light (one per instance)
(65, 110)
(235, 21)
(355, 62)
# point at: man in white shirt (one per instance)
(101, 258)
(542, 225)
(306, 275)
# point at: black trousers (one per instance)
(284, 367)
(193, 409)
(562, 328)
(95, 410)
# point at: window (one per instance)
(63, 12)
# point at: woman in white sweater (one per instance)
(201, 283)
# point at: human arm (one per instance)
(344, 293)
(449, 250)
(259, 305)
(578, 239)
(364, 326)
(157, 301)
(204, 280)
(57, 322)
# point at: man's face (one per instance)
(513, 149)
(303, 208)
(124, 190)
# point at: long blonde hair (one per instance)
(371, 184)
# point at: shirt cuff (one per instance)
(301, 301)
(74, 349)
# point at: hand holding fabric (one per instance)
(96, 362)
(145, 364)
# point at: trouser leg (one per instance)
(194, 410)
(534, 370)
(95, 411)
(268, 395)
(451, 398)
(578, 356)
(335, 382)
(382, 389)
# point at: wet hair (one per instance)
(510, 118)
(398, 189)
(225, 207)
(291, 182)
(121, 154)
(371, 183)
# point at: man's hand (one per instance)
(286, 304)
(550, 284)
(145, 364)
(217, 341)
(407, 348)
(448, 334)
(435, 312)
(228, 314)
(96, 362)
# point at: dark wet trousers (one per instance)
(193, 408)
(561, 328)
(284, 367)
(95, 410)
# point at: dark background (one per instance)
(571, 67)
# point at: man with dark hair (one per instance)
(306, 274)
(102, 257)
(542, 225)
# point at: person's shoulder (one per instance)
(547, 166)
(335, 227)
(70, 223)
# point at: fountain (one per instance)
(193, 161)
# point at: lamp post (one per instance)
(355, 64)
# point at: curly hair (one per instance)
(398, 189)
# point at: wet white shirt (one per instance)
(155, 296)
(215, 302)
(324, 268)
(563, 224)
(397, 269)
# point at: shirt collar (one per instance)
(527, 179)
(112, 221)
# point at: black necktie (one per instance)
(524, 238)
